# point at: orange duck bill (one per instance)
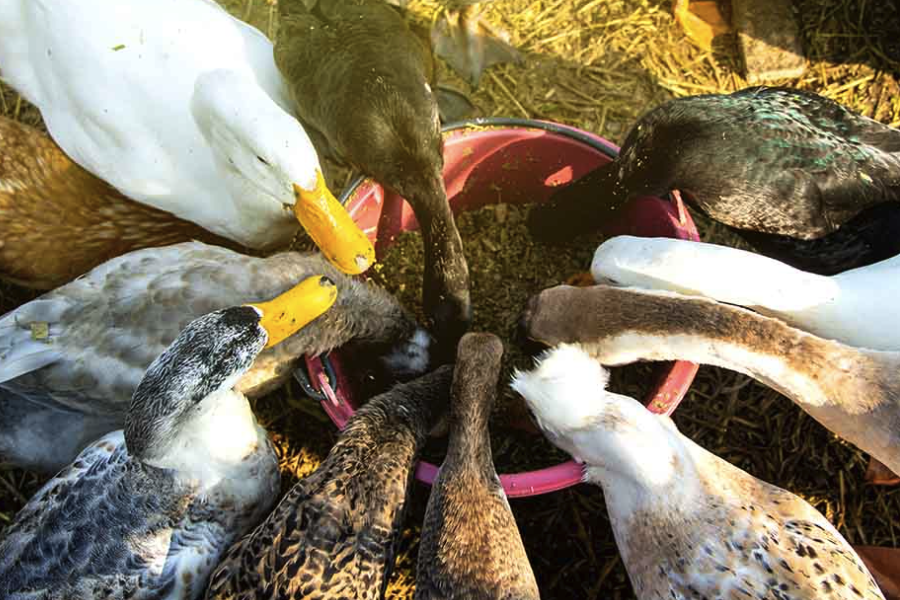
(332, 229)
(293, 310)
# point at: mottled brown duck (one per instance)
(333, 535)
(470, 546)
(57, 221)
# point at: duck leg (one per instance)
(470, 44)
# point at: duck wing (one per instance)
(107, 526)
(85, 345)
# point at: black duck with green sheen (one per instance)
(334, 534)
(799, 175)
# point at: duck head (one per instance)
(614, 435)
(398, 142)
(645, 166)
(261, 150)
(207, 359)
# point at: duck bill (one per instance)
(332, 229)
(291, 311)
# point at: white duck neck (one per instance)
(637, 457)
(209, 441)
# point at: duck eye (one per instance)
(262, 160)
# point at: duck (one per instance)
(48, 202)
(147, 511)
(71, 359)
(361, 84)
(467, 42)
(687, 523)
(850, 307)
(334, 534)
(787, 169)
(470, 546)
(853, 392)
(194, 120)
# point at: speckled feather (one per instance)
(106, 327)
(688, 524)
(739, 538)
(333, 534)
(109, 526)
(769, 160)
(470, 545)
(47, 202)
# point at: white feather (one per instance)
(850, 307)
(114, 81)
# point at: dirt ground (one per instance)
(598, 64)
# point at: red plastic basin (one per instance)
(517, 161)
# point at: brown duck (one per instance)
(57, 221)
(854, 392)
(470, 546)
(362, 82)
(333, 534)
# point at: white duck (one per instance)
(180, 106)
(687, 523)
(147, 512)
(852, 307)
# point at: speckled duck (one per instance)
(854, 392)
(333, 535)
(687, 523)
(470, 546)
(146, 513)
(71, 359)
(802, 178)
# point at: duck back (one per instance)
(773, 160)
(334, 534)
(93, 529)
(470, 546)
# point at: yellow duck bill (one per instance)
(332, 229)
(288, 313)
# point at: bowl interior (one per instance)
(515, 162)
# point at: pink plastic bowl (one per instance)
(489, 161)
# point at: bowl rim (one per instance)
(321, 381)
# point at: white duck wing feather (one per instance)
(114, 81)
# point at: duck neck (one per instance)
(635, 325)
(416, 405)
(470, 441)
(637, 457)
(203, 443)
